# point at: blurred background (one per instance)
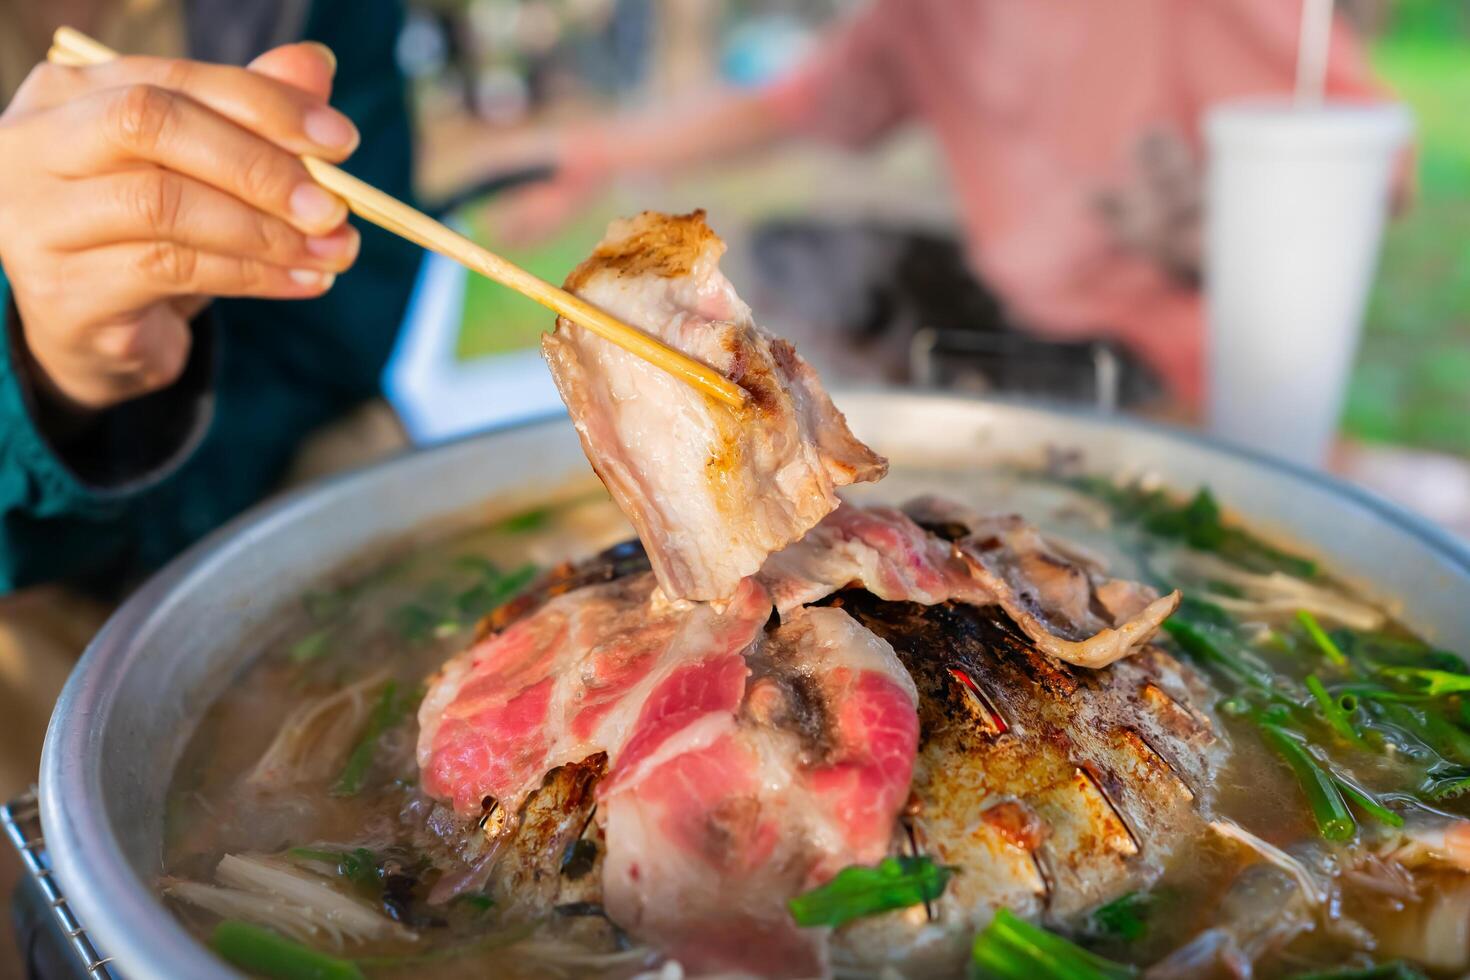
(855, 255)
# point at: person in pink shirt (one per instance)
(1070, 131)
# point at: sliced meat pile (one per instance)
(1061, 598)
(743, 766)
(748, 761)
(710, 491)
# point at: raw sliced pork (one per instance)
(570, 680)
(705, 848)
(710, 491)
(743, 765)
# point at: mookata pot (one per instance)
(148, 677)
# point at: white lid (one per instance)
(1283, 124)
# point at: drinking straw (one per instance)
(1313, 44)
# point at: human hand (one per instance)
(134, 191)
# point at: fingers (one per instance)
(308, 66)
(148, 270)
(294, 118)
(117, 128)
(153, 204)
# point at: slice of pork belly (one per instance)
(1060, 598)
(570, 680)
(710, 491)
(706, 847)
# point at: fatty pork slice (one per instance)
(570, 680)
(1061, 599)
(707, 840)
(710, 490)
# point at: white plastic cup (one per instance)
(1296, 201)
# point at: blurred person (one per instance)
(176, 291)
(1069, 130)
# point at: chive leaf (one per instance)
(1366, 801)
(1319, 636)
(389, 711)
(1332, 711)
(1434, 683)
(269, 954)
(1334, 821)
(1010, 948)
(860, 890)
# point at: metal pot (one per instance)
(137, 694)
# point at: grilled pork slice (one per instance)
(710, 491)
(1061, 599)
(1051, 789)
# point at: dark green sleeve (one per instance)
(279, 369)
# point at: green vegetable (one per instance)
(1012, 949)
(414, 622)
(856, 891)
(310, 646)
(359, 866)
(1205, 644)
(1334, 821)
(1198, 523)
(479, 902)
(1397, 970)
(1366, 801)
(494, 591)
(312, 854)
(1437, 789)
(389, 711)
(1424, 723)
(1434, 683)
(268, 954)
(1333, 711)
(1319, 636)
(1377, 692)
(1125, 917)
(531, 520)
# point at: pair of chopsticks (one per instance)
(75, 49)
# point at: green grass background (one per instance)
(1412, 382)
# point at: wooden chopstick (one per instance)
(73, 48)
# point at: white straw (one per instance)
(1313, 44)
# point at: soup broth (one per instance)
(307, 763)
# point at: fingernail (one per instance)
(312, 278)
(330, 129)
(327, 53)
(334, 245)
(313, 205)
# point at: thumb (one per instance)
(308, 65)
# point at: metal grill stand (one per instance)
(52, 942)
